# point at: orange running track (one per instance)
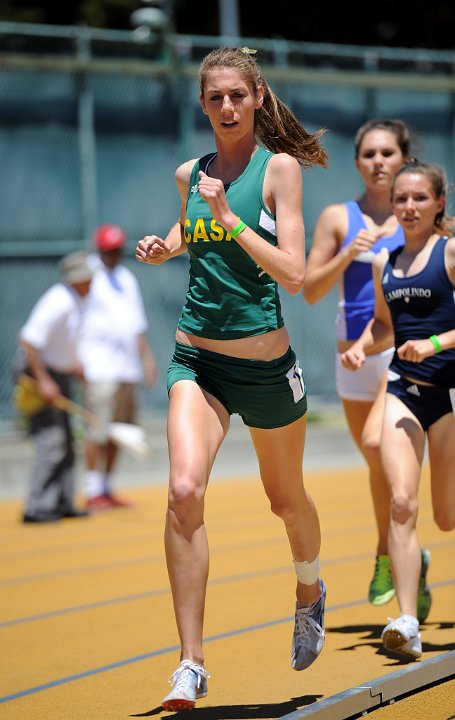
(87, 629)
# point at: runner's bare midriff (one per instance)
(418, 382)
(269, 346)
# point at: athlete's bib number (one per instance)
(296, 383)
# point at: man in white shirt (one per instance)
(49, 340)
(116, 358)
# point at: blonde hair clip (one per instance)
(248, 51)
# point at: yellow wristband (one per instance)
(238, 229)
(435, 340)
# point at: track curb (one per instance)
(379, 692)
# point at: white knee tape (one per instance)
(307, 572)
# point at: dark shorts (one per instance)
(266, 394)
(428, 404)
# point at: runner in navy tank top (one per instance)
(347, 238)
(415, 301)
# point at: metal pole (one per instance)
(228, 14)
(87, 143)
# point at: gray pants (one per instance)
(52, 480)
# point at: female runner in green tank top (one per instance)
(241, 223)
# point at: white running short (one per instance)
(362, 384)
(111, 402)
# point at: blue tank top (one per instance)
(422, 305)
(356, 288)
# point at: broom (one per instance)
(29, 401)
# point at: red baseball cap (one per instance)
(109, 237)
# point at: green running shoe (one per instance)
(424, 594)
(381, 587)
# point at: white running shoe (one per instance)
(189, 683)
(308, 637)
(402, 636)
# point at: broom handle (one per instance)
(64, 403)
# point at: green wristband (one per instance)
(435, 340)
(238, 229)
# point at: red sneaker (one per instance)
(98, 503)
(118, 502)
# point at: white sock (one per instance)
(93, 483)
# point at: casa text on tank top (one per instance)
(229, 296)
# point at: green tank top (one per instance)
(229, 295)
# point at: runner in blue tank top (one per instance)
(415, 303)
(347, 237)
(242, 226)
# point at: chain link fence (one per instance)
(93, 125)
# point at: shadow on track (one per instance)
(251, 711)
